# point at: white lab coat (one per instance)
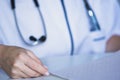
(58, 40)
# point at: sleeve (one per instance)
(115, 27)
(110, 17)
(115, 30)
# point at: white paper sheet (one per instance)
(106, 68)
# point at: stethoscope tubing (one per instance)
(69, 28)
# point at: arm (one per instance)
(1, 48)
(113, 44)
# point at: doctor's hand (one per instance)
(21, 63)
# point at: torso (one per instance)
(58, 40)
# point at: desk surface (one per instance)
(59, 63)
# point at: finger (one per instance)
(18, 74)
(35, 66)
(28, 71)
(34, 57)
(22, 75)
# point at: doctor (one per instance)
(31, 29)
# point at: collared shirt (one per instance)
(58, 38)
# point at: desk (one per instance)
(58, 63)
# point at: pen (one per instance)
(58, 76)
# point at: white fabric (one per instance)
(58, 41)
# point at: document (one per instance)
(106, 68)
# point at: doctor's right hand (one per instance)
(20, 63)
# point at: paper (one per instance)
(106, 68)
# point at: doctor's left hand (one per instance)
(21, 63)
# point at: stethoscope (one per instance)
(34, 41)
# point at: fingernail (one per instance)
(47, 74)
(45, 66)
